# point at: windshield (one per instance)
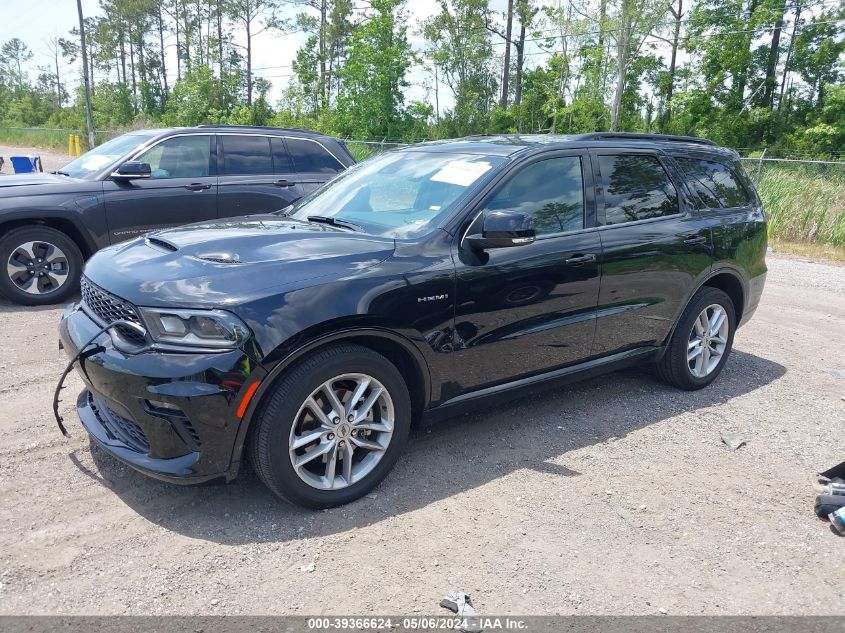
(400, 194)
(103, 155)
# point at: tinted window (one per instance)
(552, 191)
(281, 159)
(716, 185)
(309, 156)
(636, 187)
(245, 155)
(179, 157)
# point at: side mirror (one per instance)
(501, 229)
(131, 170)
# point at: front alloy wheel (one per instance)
(331, 427)
(342, 431)
(37, 268)
(40, 265)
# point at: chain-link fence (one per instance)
(361, 150)
(804, 199)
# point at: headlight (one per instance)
(195, 328)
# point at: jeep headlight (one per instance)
(195, 328)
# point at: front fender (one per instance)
(304, 349)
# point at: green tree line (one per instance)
(745, 73)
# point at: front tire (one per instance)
(41, 266)
(701, 343)
(332, 427)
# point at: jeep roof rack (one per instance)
(636, 136)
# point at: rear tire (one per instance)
(319, 450)
(40, 266)
(697, 352)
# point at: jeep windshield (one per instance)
(102, 156)
(403, 194)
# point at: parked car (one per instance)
(418, 283)
(145, 181)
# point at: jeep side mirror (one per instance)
(501, 229)
(130, 170)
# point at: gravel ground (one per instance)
(50, 159)
(612, 496)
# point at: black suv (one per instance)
(418, 282)
(145, 181)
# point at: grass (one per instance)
(805, 205)
(810, 251)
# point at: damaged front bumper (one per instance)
(170, 415)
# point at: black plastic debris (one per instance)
(837, 472)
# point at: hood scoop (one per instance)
(162, 245)
(221, 258)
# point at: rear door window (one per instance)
(309, 156)
(281, 158)
(246, 155)
(636, 187)
(715, 183)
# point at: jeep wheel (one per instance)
(41, 266)
(332, 428)
(702, 341)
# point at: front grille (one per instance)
(108, 308)
(118, 427)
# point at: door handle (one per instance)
(197, 186)
(577, 260)
(692, 240)
(284, 183)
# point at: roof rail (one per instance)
(636, 136)
(259, 127)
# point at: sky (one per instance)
(37, 21)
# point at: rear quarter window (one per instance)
(309, 156)
(716, 184)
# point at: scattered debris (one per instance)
(460, 603)
(214, 602)
(372, 495)
(837, 472)
(837, 521)
(828, 504)
(732, 440)
(309, 567)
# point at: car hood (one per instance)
(33, 180)
(231, 261)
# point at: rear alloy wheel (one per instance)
(701, 343)
(332, 426)
(41, 266)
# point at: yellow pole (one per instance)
(78, 145)
(70, 144)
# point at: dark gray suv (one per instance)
(146, 181)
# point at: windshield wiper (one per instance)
(335, 222)
(59, 172)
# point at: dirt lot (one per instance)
(50, 159)
(614, 496)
